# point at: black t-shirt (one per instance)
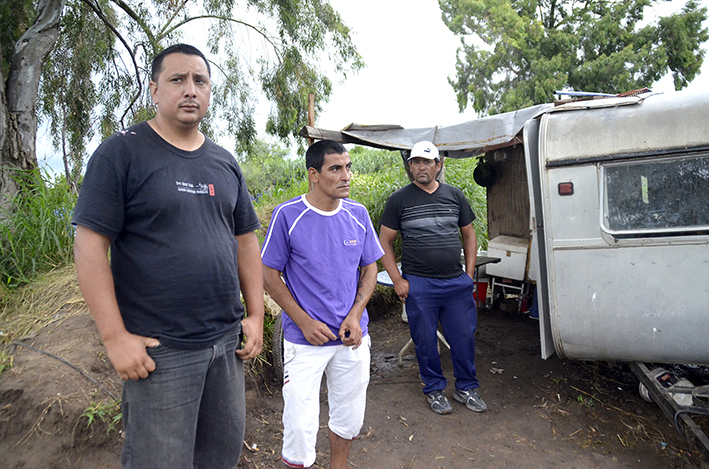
(429, 226)
(172, 217)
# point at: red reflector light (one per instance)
(566, 188)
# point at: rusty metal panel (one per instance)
(597, 129)
(508, 198)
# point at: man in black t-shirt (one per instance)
(430, 215)
(173, 208)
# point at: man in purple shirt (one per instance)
(325, 247)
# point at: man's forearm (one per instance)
(365, 288)
(278, 290)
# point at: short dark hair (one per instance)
(175, 49)
(315, 156)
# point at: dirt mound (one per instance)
(542, 413)
(57, 375)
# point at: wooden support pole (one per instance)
(311, 115)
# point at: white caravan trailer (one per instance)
(620, 215)
(604, 204)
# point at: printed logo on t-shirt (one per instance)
(350, 242)
(199, 189)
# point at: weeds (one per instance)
(109, 413)
(557, 380)
(6, 361)
(36, 234)
(586, 401)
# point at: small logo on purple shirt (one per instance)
(350, 242)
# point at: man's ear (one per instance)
(154, 91)
(313, 175)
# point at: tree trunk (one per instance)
(18, 110)
(7, 185)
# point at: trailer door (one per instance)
(531, 154)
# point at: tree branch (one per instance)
(143, 25)
(95, 7)
(226, 18)
(162, 32)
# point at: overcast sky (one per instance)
(409, 54)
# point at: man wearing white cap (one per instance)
(430, 215)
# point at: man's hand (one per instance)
(128, 356)
(253, 332)
(316, 332)
(351, 332)
(401, 286)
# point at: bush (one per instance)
(376, 174)
(37, 235)
(459, 173)
(268, 168)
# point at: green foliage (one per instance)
(459, 173)
(6, 361)
(37, 235)
(106, 412)
(585, 401)
(367, 160)
(269, 200)
(68, 92)
(267, 167)
(378, 173)
(15, 17)
(534, 47)
(95, 81)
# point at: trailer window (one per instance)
(655, 197)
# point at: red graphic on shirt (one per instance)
(211, 190)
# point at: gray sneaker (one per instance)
(439, 402)
(471, 399)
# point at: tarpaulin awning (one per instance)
(457, 141)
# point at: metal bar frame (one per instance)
(678, 414)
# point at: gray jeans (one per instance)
(189, 413)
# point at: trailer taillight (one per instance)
(566, 188)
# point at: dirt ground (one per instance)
(541, 413)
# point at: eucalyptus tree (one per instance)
(82, 67)
(516, 53)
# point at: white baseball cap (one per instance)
(424, 149)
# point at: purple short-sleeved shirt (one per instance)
(320, 254)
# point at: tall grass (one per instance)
(269, 200)
(459, 173)
(367, 160)
(376, 174)
(270, 174)
(37, 235)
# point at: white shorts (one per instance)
(347, 374)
